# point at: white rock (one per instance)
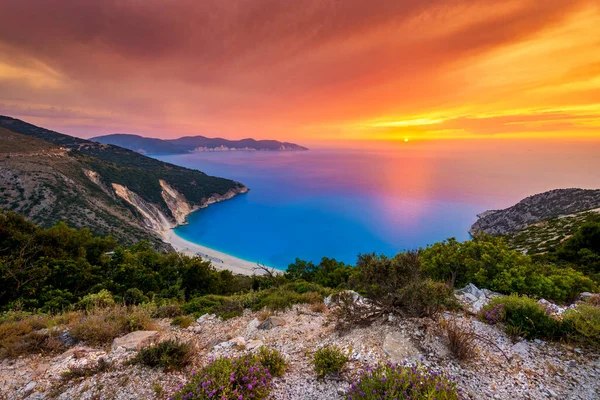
(135, 340)
(254, 324)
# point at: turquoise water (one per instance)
(339, 203)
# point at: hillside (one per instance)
(50, 177)
(536, 208)
(190, 144)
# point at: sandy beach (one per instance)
(218, 259)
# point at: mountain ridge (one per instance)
(190, 144)
(536, 208)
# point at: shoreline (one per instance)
(218, 259)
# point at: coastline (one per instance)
(218, 259)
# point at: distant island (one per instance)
(191, 144)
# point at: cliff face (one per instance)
(536, 208)
(50, 177)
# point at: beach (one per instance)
(218, 259)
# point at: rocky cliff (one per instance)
(536, 208)
(50, 177)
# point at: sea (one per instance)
(374, 198)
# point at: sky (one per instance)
(305, 70)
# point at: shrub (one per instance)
(402, 382)
(397, 285)
(168, 355)
(273, 360)
(523, 316)
(278, 300)
(461, 339)
(228, 378)
(229, 308)
(584, 320)
(101, 326)
(203, 304)
(168, 311)
(182, 321)
(329, 360)
(102, 299)
(22, 335)
(318, 307)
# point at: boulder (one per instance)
(254, 324)
(271, 323)
(254, 344)
(400, 348)
(205, 317)
(472, 290)
(135, 340)
(332, 299)
(239, 342)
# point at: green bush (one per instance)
(398, 285)
(182, 321)
(584, 320)
(329, 360)
(487, 261)
(522, 316)
(203, 304)
(228, 378)
(402, 382)
(168, 355)
(273, 360)
(102, 299)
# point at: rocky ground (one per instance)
(500, 370)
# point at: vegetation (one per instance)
(402, 382)
(228, 378)
(488, 262)
(461, 339)
(182, 321)
(273, 360)
(584, 322)
(329, 360)
(523, 316)
(168, 355)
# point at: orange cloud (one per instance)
(306, 70)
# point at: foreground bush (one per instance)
(329, 360)
(584, 321)
(228, 378)
(101, 326)
(168, 355)
(273, 360)
(402, 382)
(522, 316)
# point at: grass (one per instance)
(102, 326)
(182, 321)
(461, 339)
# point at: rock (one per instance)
(205, 317)
(239, 342)
(472, 290)
(135, 340)
(332, 299)
(254, 344)
(271, 322)
(28, 389)
(522, 349)
(399, 348)
(585, 296)
(254, 324)
(66, 339)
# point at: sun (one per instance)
(405, 140)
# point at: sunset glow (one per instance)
(305, 71)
